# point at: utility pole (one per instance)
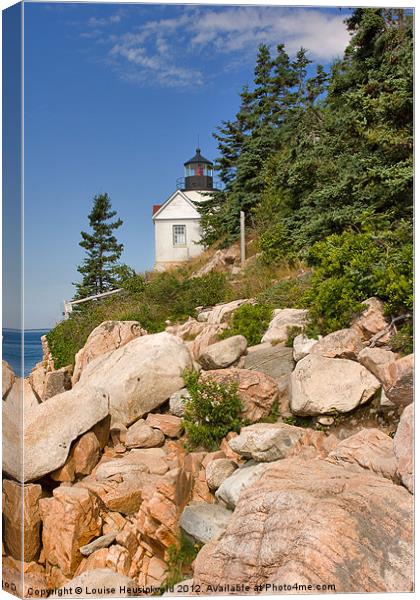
(242, 238)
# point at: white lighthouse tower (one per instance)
(177, 221)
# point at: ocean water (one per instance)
(12, 348)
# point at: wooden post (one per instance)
(242, 239)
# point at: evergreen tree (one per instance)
(100, 269)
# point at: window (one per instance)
(179, 235)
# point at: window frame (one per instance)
(175, 234)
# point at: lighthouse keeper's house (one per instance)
(177, 220)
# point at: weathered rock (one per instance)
(221, 313)
(282, 322)
(369, 449)
(321, 385)
(257, 391)
(22, 520)
(275, 361)
(109, 335)
(90, 582)
(52, 426)
(218, 470)
(158, 518)
(345, 343)
(85, 453)
(37, 379)
(372, 321)
(302, 346)
(232, 487)
(404, 447)
(8, 378)
(118, 559)
(177, 402)
(204, 522)
(25, 584)
(398, 380)
(187, 331)
(168, 424)
(208, 336)
(70, 520)
(56, 382)
(224, 353)
(376, 360)
(101, 542)
(312, 522)
(265, 442)
(141, 435)
(140, 376)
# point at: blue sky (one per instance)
(115, 96)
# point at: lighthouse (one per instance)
(177, 220)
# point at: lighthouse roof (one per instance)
(198, 158)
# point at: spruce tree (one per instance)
(100, 269)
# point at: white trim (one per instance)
(169, 200)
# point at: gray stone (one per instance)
(276, 361)
(266, 442)
(177, 402)
(232, 487)
(224, 353)
(141, 435)
(302, 346)
(101, 542)
(205, 522)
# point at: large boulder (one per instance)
(232, 487)
(404, 447)
(56, 382)
(283, 321)
(372, 321)
(7, 378)
(209, 335)
(70, 520)
(108, 336)
(275, 361)
(140, 376)
(221, 313)
(224, 353)
(169, 425)
(345, 343)
(51, 427)
(204, 522)
(90, 582)
(22, 520)
(266, 442)
(321, 385)
(311, 522)
(367, 449)
(257, 391)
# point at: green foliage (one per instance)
(352, 266)
(100, 270)
(402, 341)
(212, 410)
(179, 559)
(287, 293)
(298, 421)
(292, 332)
(251, 321)
(150, 300)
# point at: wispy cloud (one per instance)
(175, 52)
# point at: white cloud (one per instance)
(161, 51)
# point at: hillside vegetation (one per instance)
(322, 165)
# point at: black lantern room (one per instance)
(198, 173)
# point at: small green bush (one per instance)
(402, 341)
(212, 410)
(292, 332)
(179, 559)
(287, 293)
(251, 321)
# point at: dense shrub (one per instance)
(180, 557)
(212, 410)
(287, 293)
(251, 321)
(352, 266)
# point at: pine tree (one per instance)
(100, 270)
